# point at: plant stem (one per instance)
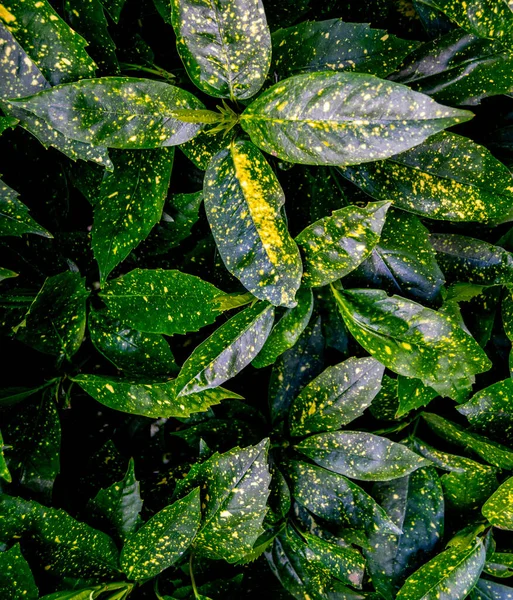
(193, 581)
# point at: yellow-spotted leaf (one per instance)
(244, 204)
(225, 45)
(498, 509)
(15, 219)
(343, 119)
(16, 579)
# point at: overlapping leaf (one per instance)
(14, 215)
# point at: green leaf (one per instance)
(56, 320)
(62, 545)
(244, 199)
(16, 579)
(114, 8)
(491, 452)
(137, 353)
(337, 500)
(490, 410)
(34, 459)
(459, 68)
(7, 274)
(59, 51)
(287, 330)
(4, 470)
(361, 455)
(120, 505)
(416, 505)
(334, 45)
(294, 369)
(343, 118)
(163, 539)
(235, 488)
(412, 340)
(159, 301)
(339, 395)
(448, 177)
(484, 18)
(452, 573)
(7, 123)
(149, 399)
(224, 45)
(471, 260)
(226, 352)
(489, 590)
(498, 508)
(334, 246)
(412, 394)
(385, 403)
(14, 215)
(500, 564)
(130, 113)
(202, 149)
(403, 261)
(92, 593)
(129, 203)
(14, 395)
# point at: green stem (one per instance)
(193, 581)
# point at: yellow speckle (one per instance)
(6, 16)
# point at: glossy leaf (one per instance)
(334, 45)
(343, 119)
(129, 203)
(14, 215)
(6, 274)
(114, 8)
(226, 352)
(225, 45)
(453, 573)
(4, 469)
(151, 399)
(202, 148)
(7, 123)
(466, 491)
(336, 397)
(163, 539)
(159, 301)
(416, 505)
(235, 488)
(287, 330)
(16, 579)
(500, 564)
(403, 261)
(490, 410)
(244, 200)
(130, 113)
(498, 508)
(489, 590)
(56, 320)
(447, 177)
(54, 47)
(413, 340)
(361, 455)
(337, 500)
(334, 246)
(412, 394)
(491, 452)
(120, 505)
(130, 350)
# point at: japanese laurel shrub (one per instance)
(276, 360)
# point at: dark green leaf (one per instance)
(334, 246)
(413, 340)
(448, 177)
(337, 500)
(403, 261)
(385, 404)
(202, 149)
(14, 215)
(158, 301)
(336, 397)
(498, 509)
(235, 488)
(137, 353)
(500, 564)
(7, 123)
(10, 396)
(491, 452)
(226, 352)
(343, 119)
(287, 330)
(114, 8)
(16, 579)
(56, 320)
(149, 399)
(129, 203)
(361, 455)
(452, 573)
(336, 46)
(163, 539)
(7, 274)
(416, 505)
(55, 48)
(489, 590)
(224, 45)
(491, 410)
(4, 470)
(120, 505)
(129, 113)
(244, 200)
(412, 394)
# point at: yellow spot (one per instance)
(388, 350)
(5, 15)
(406, 346)
(110, 388)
